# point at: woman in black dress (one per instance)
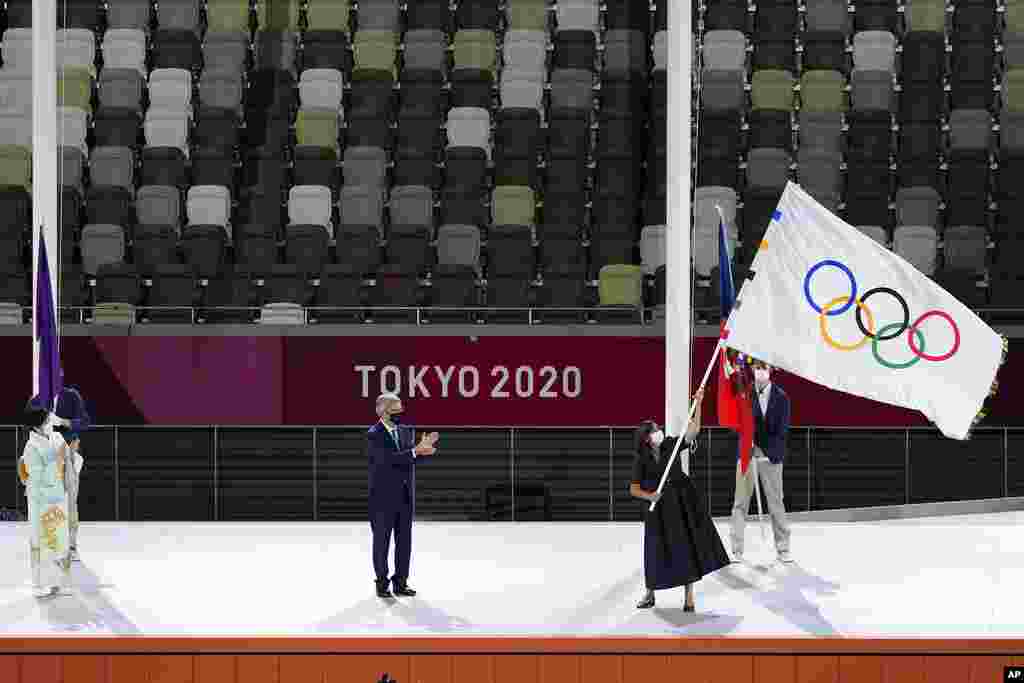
(681, 543)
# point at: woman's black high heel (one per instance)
(647, 602)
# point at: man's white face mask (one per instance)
(656, 438)
(761, 376)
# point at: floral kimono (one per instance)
(43, 477)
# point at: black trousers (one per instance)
(385, 521)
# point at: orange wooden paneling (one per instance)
(615, 645)
(516, 669)
(368, 668)
(304, 669)
(560, 669)
(258, 669)
(473, 669)
(860, 669)
(215, 669)
(129, 668)
(903, 669)
(10, 668)
(768, 668)
(955, 669)
(429, 669)
(645, 668)
(715, 668)
(512, 660)
(817, 669)
(172, 669)
(86, 669)
(984, 669)
(42, 669)
(600, 669)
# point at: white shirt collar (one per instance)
(763, 396)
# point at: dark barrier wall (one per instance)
(529, 381)
(295, 473)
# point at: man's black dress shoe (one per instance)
(383, 592)
(404, 591)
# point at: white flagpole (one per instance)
(678, 270)
(45, 141)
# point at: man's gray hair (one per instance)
(383, 400)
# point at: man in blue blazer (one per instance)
(71, 418)
(771, 424)
(392, 460)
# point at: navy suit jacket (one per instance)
(772, 439)
(392, 468)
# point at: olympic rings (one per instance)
(956, 336)
(896, 366)
(915, 337)
(834, 264)
(822, 321)
(906, 313)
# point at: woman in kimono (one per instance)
(681, 543)
(41, 470)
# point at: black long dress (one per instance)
(681, 543)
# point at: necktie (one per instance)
(394, 437)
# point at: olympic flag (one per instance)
(830, 304)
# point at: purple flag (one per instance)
(44, 317)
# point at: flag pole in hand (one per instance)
(693, 409)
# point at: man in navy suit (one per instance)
(393, 459)
(771, 423)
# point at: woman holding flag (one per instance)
(681, 543)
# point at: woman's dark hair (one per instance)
(640, 436)
(35, 414)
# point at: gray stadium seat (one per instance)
(158, 205)
(872, 91)
(767, 167)
(965, 247)
(725, 50)
(918, 245)
(101, 244)
(917, 206)
(458, 245)
(365, 166)
(361, 205)
(412, 205)
(113, 166)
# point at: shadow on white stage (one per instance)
(953, 576)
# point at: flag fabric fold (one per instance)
(734, 409)
(49, 378)
(830, 304)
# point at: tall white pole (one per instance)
(677, 272)
(45, 191)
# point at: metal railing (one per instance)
(364, 314)
(235, 473)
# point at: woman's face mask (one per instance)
(656, 438)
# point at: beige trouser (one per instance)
(71, 486)
(770, 476)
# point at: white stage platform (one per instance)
(956, 576)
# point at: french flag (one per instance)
(734, 407)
